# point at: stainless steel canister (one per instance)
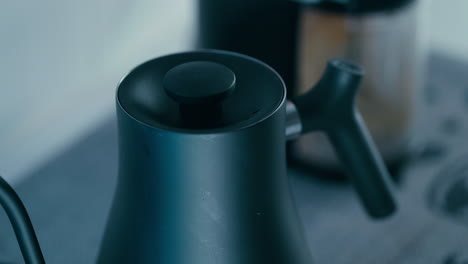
(389, 45)
(297, 37)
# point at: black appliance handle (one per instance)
(21, 223)
(330, 106)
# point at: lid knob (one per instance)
(199, 87)
(199, 82)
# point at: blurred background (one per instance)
(60, 62)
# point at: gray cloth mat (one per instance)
(69, 198)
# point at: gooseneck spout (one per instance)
(330, 107)
(21, 223)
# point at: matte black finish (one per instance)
(202, 196)
(219, 195)
(263, 29)
(200, 102)
(330, 106)
(258, 92)
(210, 82)
(21, 223)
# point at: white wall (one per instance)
(60, 62)
(448, 27)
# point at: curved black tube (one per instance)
(21, 223)
(330, 106)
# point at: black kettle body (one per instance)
(202, 163)
(203, 198)
(217, 195)
(215, 190)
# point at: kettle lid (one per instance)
(201, 91)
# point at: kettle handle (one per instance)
(358, 154)
(21, 223)
(330, 106)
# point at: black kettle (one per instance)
(202, 162)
